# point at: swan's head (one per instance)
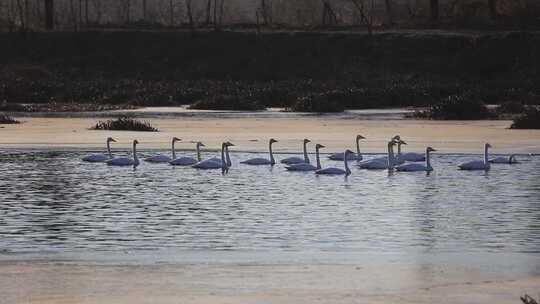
(273, 141)
(306, 141)
(110, 139)
(318, 146)
(358, 137)
(175, 139)
(430, 149)
(135, 142)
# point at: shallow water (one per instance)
(53, 202)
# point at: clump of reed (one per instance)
(124, 124)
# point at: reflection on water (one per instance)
(54, 202)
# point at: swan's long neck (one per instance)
(390, 155)
(229, 163)
(198, 148)
(346, 163)
(486, 156)
(318, 158)
(109, 149)
(173, 150)
(223, 160)
(358, 155)
(135, 158)
(306, 158)
(428, 161)
(272, 160)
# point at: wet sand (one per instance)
(48, 283)
(251, 134)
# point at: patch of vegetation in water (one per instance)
(316, 103)
(124, 124)
(7, 120)
(457, 107)
(529, 120)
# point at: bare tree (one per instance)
(493, 9)
(144, 10)
(49, 14)
(434, 8)
(388, 6)
(189, 11)
(365, 16)
(208, 11)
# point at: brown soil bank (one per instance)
(386, 69)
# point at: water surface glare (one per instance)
(51, 201)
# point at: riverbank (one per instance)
(58, 282)
(271, 69)
(252, 133)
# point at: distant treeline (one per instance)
(33, 15)
(252, 71)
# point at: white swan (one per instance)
(381, 162)
(338, 171)
(126, 161)
(306, 166)
(223, 163)
(418, 167)
(478, 164)
(298, 160)
(99, 158)
(188, 161)
(163, 158)
(260, 160)
(357, 156)
(409, 156)
(504, 160)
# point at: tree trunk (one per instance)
(388, 5)
(208, 10)
(434, 6)
(144, 10)
(221, 7)
(86, 19)
(190, 14)
(493, 9)
(49, 14)
(171, 13)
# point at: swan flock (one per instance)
(400, 162)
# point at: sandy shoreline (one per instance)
(48, 282)
(251, 134)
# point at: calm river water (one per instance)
(52, 202)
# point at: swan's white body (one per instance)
(259, 161)
(306, 166)
(188, 161)
(357, 156)
(297, 160)
(337, 171)
(126, 161)
(213, 163)
(100, 158)
(381, 162)
(478, 164)
(504, 160)
(418, 167)
(163, 158)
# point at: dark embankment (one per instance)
(352, 70)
